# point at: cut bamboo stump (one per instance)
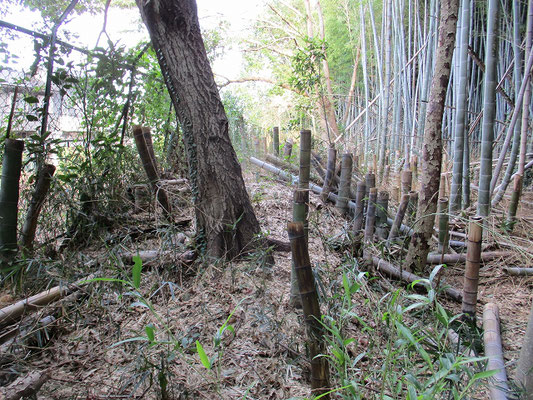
(371, 215)
(473, 259)
(382, 210)
(275, 140)
(444, 236)
(359, 207)
(493, 350)
(311, 309)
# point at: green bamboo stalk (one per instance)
(461, 115)
(489, 108)
(517, 78)
(345, 182)
(311, 309)
(42, 186)
(527, 95)
(444, 235)
(9, 197)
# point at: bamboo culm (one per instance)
(473, 259)
(311, 309)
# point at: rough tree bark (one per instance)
(432, 148)
(226, 223)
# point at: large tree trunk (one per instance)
(226, 222)
(432, 149)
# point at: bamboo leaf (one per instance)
(203, 357)
(136, 271)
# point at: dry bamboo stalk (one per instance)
(391, 270)
(399, 217)
(275, 140)
(359, 207)
(513, 206)
(444, 236)
(344, 187)
(493, 350)
(473, 259)
(311, 309)
(382, 210)
(370, 215)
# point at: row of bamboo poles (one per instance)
(367, 210)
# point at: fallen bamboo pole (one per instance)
(493, 350)
(517, 271)
(462, 257)
(391, 270)
(12, 312)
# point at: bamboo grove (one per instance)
(361, 73)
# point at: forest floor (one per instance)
(100, 346)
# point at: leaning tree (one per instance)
(226, 223)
